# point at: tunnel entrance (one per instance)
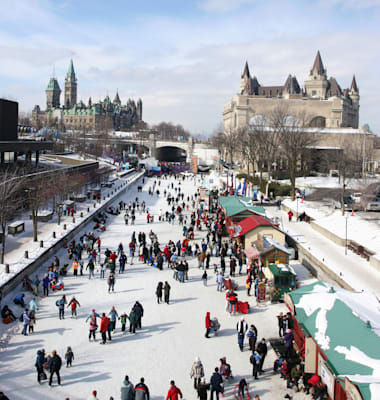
(170, 154)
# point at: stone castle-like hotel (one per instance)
(73, 115)
(321, 98)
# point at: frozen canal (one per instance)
(171, 335)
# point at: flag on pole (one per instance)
(244, 186)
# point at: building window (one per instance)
(314, 93)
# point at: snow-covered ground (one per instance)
(164, 349)
(331, 182)
(363, 231)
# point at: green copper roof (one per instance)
(336, 320)
(235, 205)
(53, 85)
(71, 71)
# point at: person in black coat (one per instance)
(140, 313)
(40, 360)
(203, 387)
(262, 350)
(166, 292)
(216, 384)
(55, 364)
(159, 292)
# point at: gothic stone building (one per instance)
(104, 114)
(321, 98)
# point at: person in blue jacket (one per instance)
(45, 284)
(19, 300)
(61, 306)
(40, 360)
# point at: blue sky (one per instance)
(184, 58)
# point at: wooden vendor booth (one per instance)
(341, 333)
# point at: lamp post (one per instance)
(297, 197)
(59, 211)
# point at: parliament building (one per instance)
(73, 115)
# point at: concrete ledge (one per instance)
(328, 234)
(49, 253)
(375, 262)
(319, 269)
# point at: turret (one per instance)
(139, 109)
(317, 84)
(354, 91)
(117, 100)
(245, 77)
(53, 94)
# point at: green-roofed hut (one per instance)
(341, 333)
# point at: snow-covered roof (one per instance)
(346, 326)
(270, 242)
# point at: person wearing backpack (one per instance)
(61, 306)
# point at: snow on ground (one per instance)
(352, 268)
(164, 349)
(363, 231)
(310, 182)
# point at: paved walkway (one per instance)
(355, 270)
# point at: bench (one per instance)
(16, 227)
(355, 247)
(366, 253)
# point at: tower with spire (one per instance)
(317, 84)
(70, 87)
(53, 94)
(117, 100)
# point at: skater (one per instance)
(61, 307)
(74, 303)
(54, 366)
(241, 328)
(91, 268)
(216, 384)
(262, 350)
(127, 391)
(202, 389)
(141, 391)
(111, 282)
(208, 325)
(104, 328)
(25, 320)
(252, 337)
(40, 360)
(219, 281)
(132, 321)
(102, 270)
(93, 326)
(69, 357)
(173, 392)
(281, 326)
(123, 320)
(166, 292)
(197, 372)
(139, 312)
(45, 285)
(255, 360)
(159, 292)
(204, 278)
(113, 316)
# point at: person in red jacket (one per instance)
(208, 325)
(173, 392)
(104, 327)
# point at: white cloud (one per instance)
(354, 4)
(222, 5)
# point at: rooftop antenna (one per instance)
(53, 71)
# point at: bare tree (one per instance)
(231, 143)
(39, 191)
(10, 201)
(294, 138)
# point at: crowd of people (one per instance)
(87, 256)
